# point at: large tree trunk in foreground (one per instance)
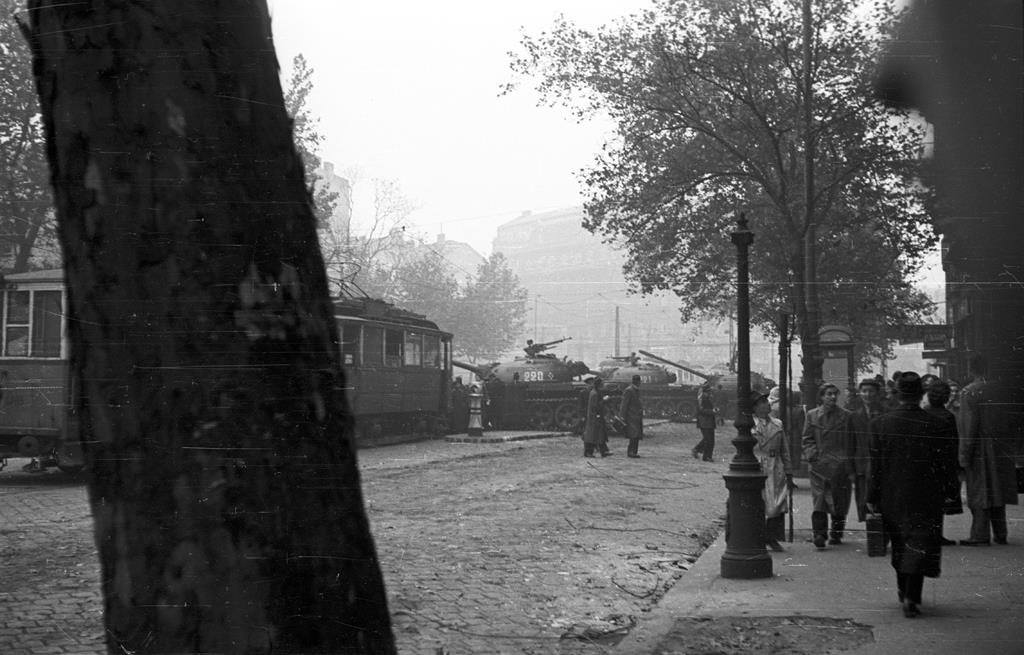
(223, 479)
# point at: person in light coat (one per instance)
(828, 445)
(772, 451)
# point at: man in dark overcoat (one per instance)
(584, 401)
(987, 454)
(828, 449)
(868, 409)
(911, 475)
(707, 419)
(631, 409)
(595, 432)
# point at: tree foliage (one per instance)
(27, 222)
(486, 314)
(708, 103)
(305, 131)
(493, 311)
(364, 252)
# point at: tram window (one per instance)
(393, 348)
(16, 324)
(413, 349)
(373, 346)
(431, 351)
(350, 345)
(46, 320)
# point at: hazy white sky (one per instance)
(409, 90)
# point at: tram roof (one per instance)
(373, 309)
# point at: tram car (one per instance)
(398, 368)
(37, 417)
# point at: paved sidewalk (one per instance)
(841, 601)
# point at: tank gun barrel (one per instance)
(532, 348)
(676, 365)
(481, 371)
(552, 343)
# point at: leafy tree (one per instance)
(486, 315)
(308, 139)
(365, 253)
(222, 474)
(423, 284)
(27, 223)
(709, 97)
(493, 312)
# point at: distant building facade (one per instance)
(576, 284)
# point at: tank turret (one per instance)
(622, 369)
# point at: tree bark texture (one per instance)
(223, 481)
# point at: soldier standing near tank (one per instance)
(707, 419)
(631, 409)
(595, 433)
(495, 391)
(584, 401)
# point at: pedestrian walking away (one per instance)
(707, 418)
(911, 475)
(772, 450)
(595, 432)
(828, 448)
(631, 409)
(986, 454)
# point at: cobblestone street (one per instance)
(519, 547)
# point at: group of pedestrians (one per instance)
(594, 406)
(900, 450)
(903, 457)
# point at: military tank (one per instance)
(663, 398)
(724, 385)
(537, 391)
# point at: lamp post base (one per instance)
(745, 554)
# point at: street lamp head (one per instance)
(742, 237)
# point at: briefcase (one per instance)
(876, 535)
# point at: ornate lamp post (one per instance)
(745, 554)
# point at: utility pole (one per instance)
(535, 297)
(616, 330)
